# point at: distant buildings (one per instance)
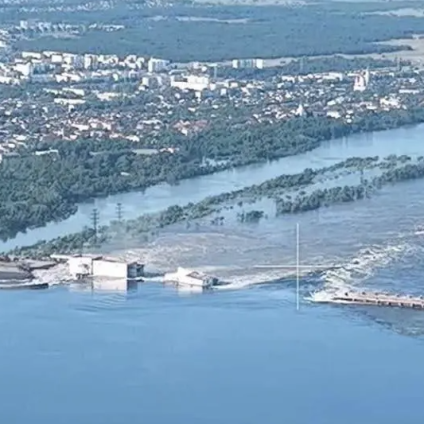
(248, 63)
(98, 266)
(361, 81)
(191, 82)
(157, 65)
(191, 279)
(300, 111)
(25, 69)
(90, 61)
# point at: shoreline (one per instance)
(394, 170)
(412, 118)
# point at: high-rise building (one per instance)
(157, 65)
(359, 84)
(367, 77)
(90, 61)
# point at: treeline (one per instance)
(320, 198)
(37, 189)
(326, 197)
(243, 145)
(189, 214)
(190, 33)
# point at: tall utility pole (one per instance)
(297, 266)
(119, 212)
(215, 71)
(301, 64)
(95, 221)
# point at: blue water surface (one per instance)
(241, 357)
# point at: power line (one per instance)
(95, 222)
(297, 266)
(119, 212)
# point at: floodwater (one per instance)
(242, 354)
(401, 141)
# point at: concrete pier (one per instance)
(377, 299)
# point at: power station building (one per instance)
(81, 266)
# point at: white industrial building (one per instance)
(190, 278)
(81, 266)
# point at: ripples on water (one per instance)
(363, 239)
(156, 355)
(370, 245)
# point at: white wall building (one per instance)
(97, 266)
(116, 269)
(90, 61)
(80, 266)
(189, 278)
(248, 63)
(157, 65)
(25, 69)
(31, 55)
(191, 82)
(359, 84)
(56, 58)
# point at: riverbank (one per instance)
(289, 192)
(76, 177)
(158, 198)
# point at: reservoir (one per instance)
(157, 357)
(245, 355)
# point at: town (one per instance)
(50, 96)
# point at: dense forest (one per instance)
(189, 33)
(37, 189)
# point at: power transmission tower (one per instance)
(301, 65)
(215, 71)
(297, 266)
(398, 64)
(95, 222)
(119, 212)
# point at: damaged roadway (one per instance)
(16, 273)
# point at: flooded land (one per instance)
(136, 341)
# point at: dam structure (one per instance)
(374, 299)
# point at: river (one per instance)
(156, 198)
(244, 355)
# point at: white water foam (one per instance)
(355, 272)
(229, 257)
(205, 252)
(53, 276)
